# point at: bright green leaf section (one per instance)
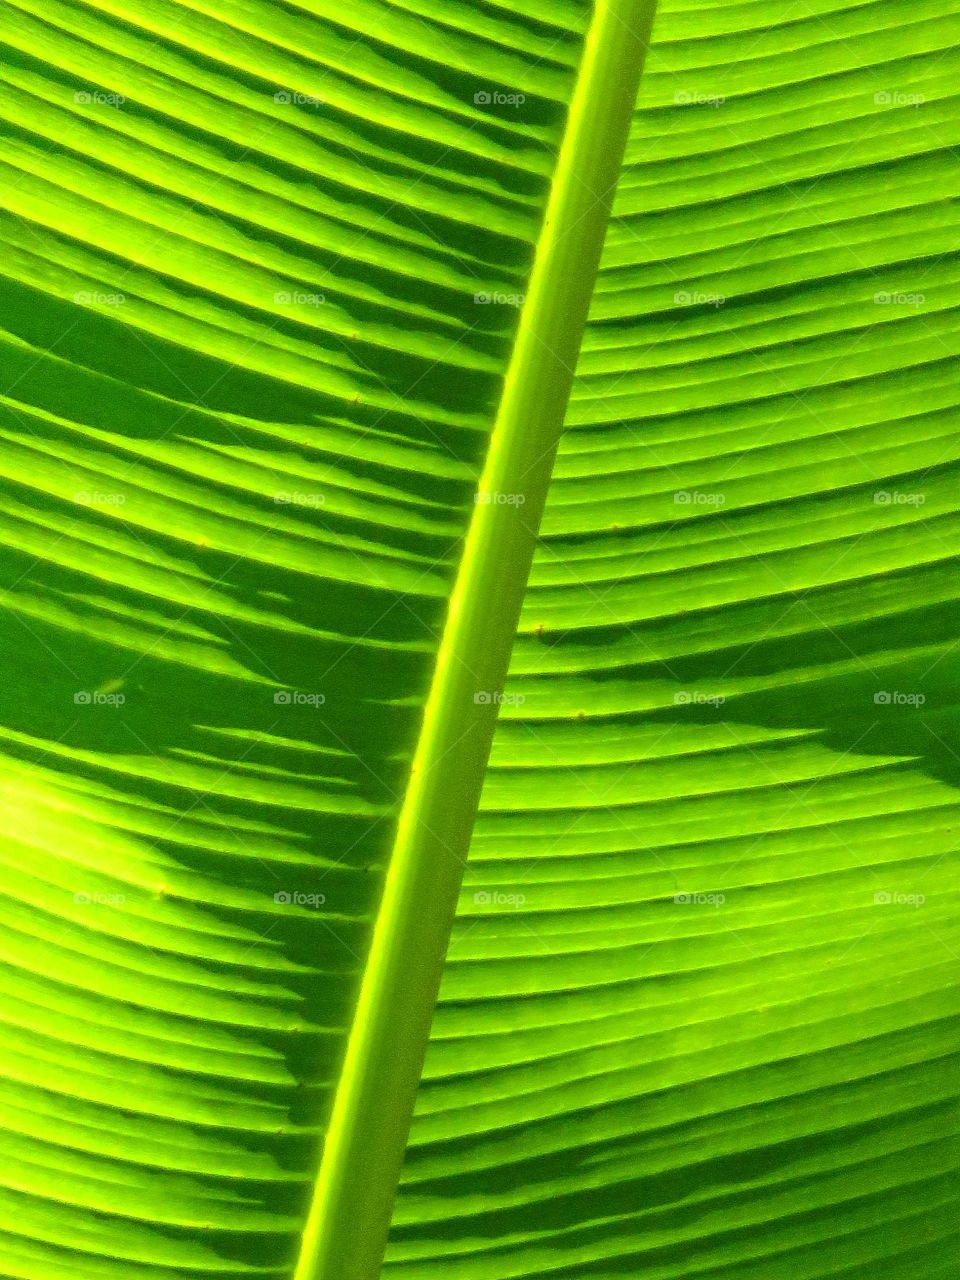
(700, 1014)
(262, 272)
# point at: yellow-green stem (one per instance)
(350, 1215)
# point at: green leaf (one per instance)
(700, 1012)
(264, 282)
(286, 288)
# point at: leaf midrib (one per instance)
(350, 1214)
